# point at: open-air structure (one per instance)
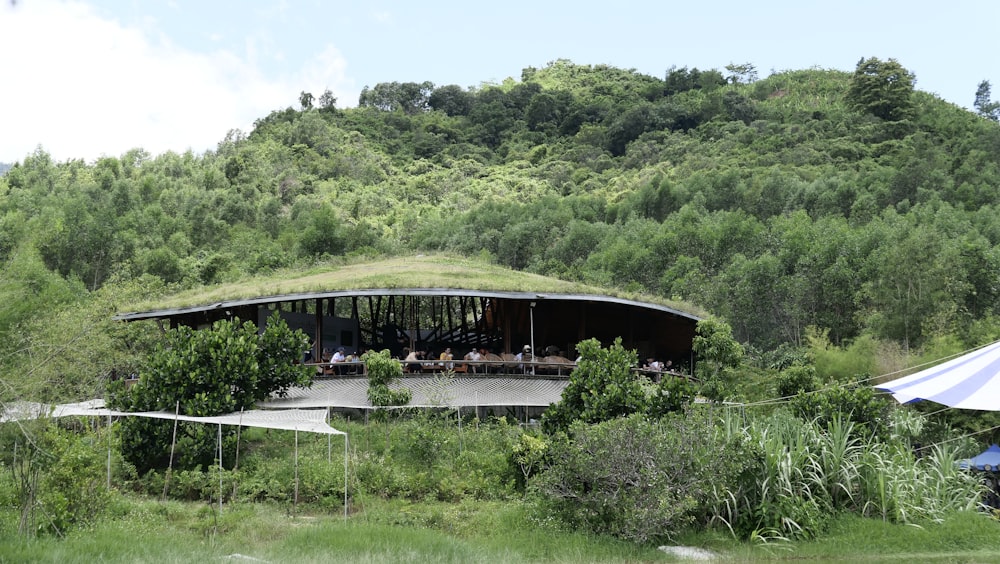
(430, 304)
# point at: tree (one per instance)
(984, 106)
(327, 101)
(882, 88)
(604, 387)
(408, 97)
(306, 100)
(601, 387)
(719, 353)
(451, 99)
(323, 233)
(229, 367)
(383, 370)
(745, 72)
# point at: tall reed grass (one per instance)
(805, 475)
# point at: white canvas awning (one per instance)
(971, 381)
(305, 420)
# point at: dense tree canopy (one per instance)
(229, 367)
(882, 88)
(852, 203)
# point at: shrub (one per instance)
(72, 488)
(527, 455)
(634, 478)
(202, 373)
(805, 473)
(860, 404)
(383, 370)
(603, 386)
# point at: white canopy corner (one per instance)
(305, 420)
(970, 381)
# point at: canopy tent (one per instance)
(971, 381)
(307, 420)
(988, 460)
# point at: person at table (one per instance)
(339, 357)
(353, 359)
(474, 356)
(412, 361)
(447, 355)
(324, 358)
(524, 356)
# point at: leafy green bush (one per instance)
(603, 386)
(72, 489)
(795, 380)
(202, 373)
(860, 404)
(634, 478)
(383, 370)
(378, 475)
(719, 354)
(528, 455)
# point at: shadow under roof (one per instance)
(437, 302)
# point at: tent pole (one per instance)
(220, 468)
(295, 500)
(345, 476)
(109, 450)
(236, 465)
(173, 443)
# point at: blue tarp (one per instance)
(988, 460)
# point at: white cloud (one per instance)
(383, 16)
(328, 69)
(82, 86)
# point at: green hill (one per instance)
(809, 198)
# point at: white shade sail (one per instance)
(971, 381)
(305, 420)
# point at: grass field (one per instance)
(494, 532)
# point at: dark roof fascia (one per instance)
(453, 292)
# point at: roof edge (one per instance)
(510, 295)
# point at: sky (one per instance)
(83, 79)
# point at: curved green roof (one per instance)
(425, 272)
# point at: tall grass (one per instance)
(808, 474)
(434, 492)
(154, 531)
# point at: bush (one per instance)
(633, 478)
(799, 474)
(859, 404)
(72, 488)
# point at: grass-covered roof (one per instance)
(420, 271)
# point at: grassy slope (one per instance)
(494, 532)
(420, 271)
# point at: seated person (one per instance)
(338, 357)
(353, 359)
(324, 359)
(474, 356)
(412, 361)
(446, 355)
(524, 356)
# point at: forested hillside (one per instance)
(849, 202)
